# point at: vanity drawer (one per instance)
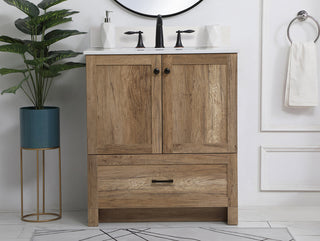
(157, 186)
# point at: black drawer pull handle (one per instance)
(162, 181)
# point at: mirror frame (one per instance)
(154, 16)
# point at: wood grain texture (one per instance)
(93, 217)
(232, 215)
(233, 102)
(180, 126)
(161, 201)
(92, 193)
(91, 101)
(197, 104)
(162, 159)
(92, 183)
(233, 182)
(163, 215)
(193, 186)
(124, 99)
(233, 191)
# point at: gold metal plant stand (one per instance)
(38, 214)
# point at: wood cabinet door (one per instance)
(124, 104)
(200, 103)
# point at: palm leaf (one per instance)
(25, 6)
(13, 89)
(7, 39)
(62, 54)
(14, 48)
(5, 71)
(57, 35)
(45, 4)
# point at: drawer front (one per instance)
(147, 186)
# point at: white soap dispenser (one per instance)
(107, 32)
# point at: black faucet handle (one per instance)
(179, 41)
(140, 40)
(186, 31)
(132, 32)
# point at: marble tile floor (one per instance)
(302, 223)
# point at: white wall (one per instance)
(69, 93)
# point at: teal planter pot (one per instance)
(39, 128)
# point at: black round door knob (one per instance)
(156, 71)
(167, 71)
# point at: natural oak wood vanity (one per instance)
(162, 135)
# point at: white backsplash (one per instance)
(204, 36)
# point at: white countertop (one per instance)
(101, 51)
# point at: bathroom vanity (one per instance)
(162, 135)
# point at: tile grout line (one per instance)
(269, 224)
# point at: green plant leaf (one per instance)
(5, 71)
(56, 22)
(14, 48)
(25, 6)
(62, 54)
(39, 62)
(54, 70)
(49, 74)
(66, 66)
(13, 89)
(45, 4)
(59, 18)
(35, 48)
(57, 35)
(25, 25)
(53, 18)
(7, 39)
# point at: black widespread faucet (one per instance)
(159, 33)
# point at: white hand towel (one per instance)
(302, 77)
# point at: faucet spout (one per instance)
(159, 33)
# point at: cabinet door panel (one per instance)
(199, 101)
(124, 101)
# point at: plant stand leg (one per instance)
(60, 188)
(43, 183)
(21, 179)
(37, 215)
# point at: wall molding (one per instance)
(264, 184)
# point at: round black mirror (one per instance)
(152, 8)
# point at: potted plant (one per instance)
(39, 124)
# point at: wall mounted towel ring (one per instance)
(302, 16)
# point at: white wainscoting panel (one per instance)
(290, 168)
(277, 15)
